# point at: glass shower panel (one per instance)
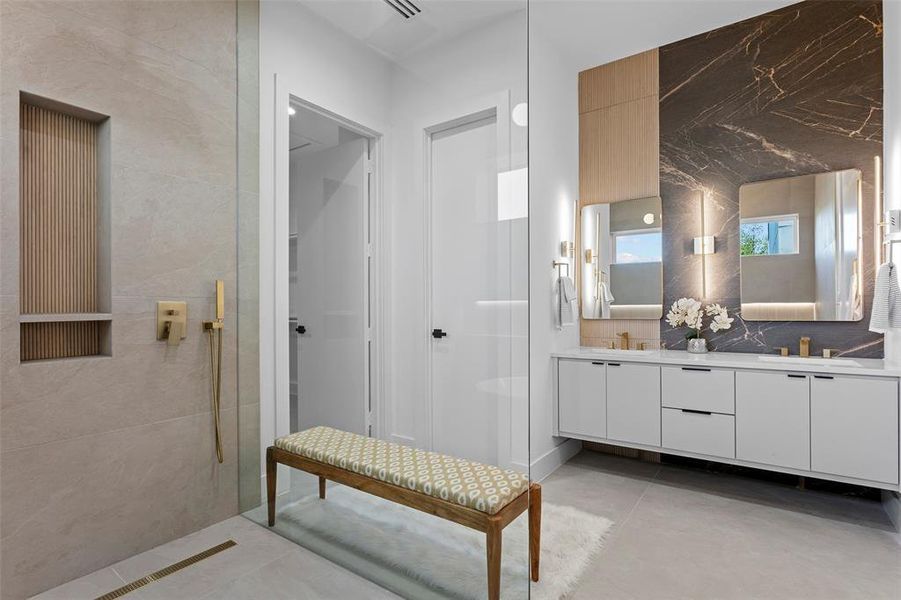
(394, 213)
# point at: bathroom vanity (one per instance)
(833, 419)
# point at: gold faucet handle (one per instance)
(641, 345)
(829, 352)
(783, 350)
(174, 332)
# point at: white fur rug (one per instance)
(443, 556)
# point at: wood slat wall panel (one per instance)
(621, 81)
(59, 219)
(619, 158)
(61, 340)
(58, 212)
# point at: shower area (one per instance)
(225, 223)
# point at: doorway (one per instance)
(329, 269)
(470, 292)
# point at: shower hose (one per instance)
(216, 382)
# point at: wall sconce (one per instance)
(705, 244)
(567, 249)
(589, 256)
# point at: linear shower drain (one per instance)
(165, 572)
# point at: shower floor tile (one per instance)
(261, 565)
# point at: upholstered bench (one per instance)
(479, 496)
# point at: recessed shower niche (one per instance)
(64, 264)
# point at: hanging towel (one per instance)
(565, 311)
(856, 300)
(569, 289)
(605, 298)
(886, 300)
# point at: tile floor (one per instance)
(679, 533)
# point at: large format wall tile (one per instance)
(103, 457)
(791, 92)
(72, 507)
(145, 381)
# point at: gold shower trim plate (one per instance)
(173, 568)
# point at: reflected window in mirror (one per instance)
(622, 269)
(800, 246)
(766, 236)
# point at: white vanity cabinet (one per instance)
(837, 421)
(633, 403)
(854, 427)
(772, 418)
(582, 390)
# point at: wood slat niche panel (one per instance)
(62, 222)
(40, 341)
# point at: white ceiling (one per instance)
(588, 33)
(381, 27)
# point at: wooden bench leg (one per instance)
(271, 472)
(322, 488)
(493, 540)
(534, 528)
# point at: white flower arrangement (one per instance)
(690, 313)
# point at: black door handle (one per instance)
(300, 329)
(438, 333)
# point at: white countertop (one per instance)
(739, 360)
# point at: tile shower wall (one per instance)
(105, 457)
(791, 92)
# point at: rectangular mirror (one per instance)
(622, 271)
(800, 244)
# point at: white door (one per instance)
(471, 386)
(330, 202)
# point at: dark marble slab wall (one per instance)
(791, 92)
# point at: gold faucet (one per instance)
(804, 349)
(625, 343)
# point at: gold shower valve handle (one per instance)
(171, 321)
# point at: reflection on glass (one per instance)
(800, 248)
(622, 270)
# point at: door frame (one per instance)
(459, 114)
(275, 292)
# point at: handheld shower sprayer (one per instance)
(214, 330)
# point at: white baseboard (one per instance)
(891, 502)
(551, 460)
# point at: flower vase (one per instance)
(697, 345)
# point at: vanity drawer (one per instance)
(699, 432)
(698, 388)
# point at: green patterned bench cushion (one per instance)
(471, 484)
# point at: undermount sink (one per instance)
(800, 360)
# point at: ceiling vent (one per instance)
(405, 8)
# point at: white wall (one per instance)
(892, 102)
(553, 197)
